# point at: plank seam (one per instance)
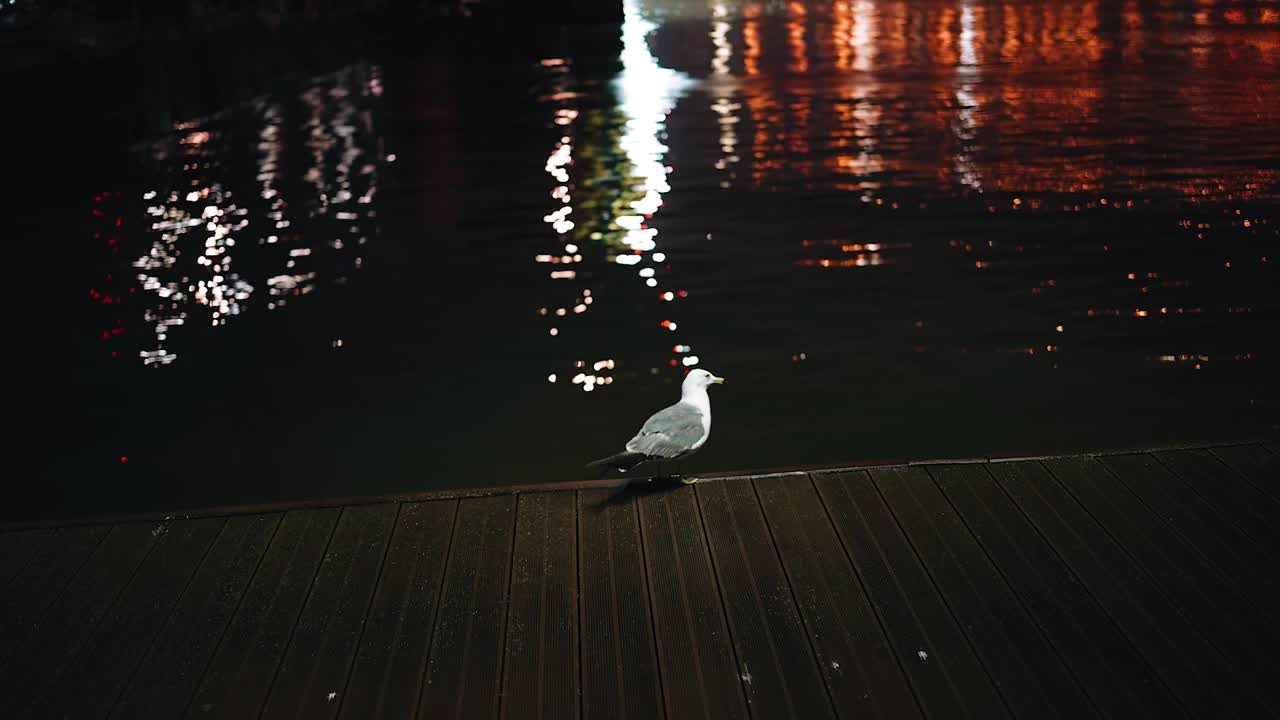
(345, 583)
(684, 605)
(1196, 547)
(195, 688)
(845, 630)
(506, 616)
(401, 618)
(1173, 601)
(613, 617)
(724, 608)
(1248, 480)
(857, 573)
(1026, 607)
(364, 618)
(71, 578)
(129, 679)
(542, 607)
(942, 597)
(30, 560)
(653, 618)
(1222, 513)
(795, 601)
(302, 609)
(435, 620)
(577, 592)
(97, 625)
(897, 582)
(471, 622)
(1102, 607)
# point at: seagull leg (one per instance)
(687, 479)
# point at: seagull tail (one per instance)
(622, 461)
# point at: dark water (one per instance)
(900, 229)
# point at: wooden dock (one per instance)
(1125, 586)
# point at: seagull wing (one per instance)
(670, 432)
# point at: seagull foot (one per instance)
(688, 479)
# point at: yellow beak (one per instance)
(717, 381)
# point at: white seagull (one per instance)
(672, 432)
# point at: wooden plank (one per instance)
(700, 675)
(238, 677)
(854, 655)
(393, 651)
(464, 666)
(772, 646)
(1032, 678)
(18, 548)
(70, 621)
(1226, 620)
(91, 684)
(620, 668)
(541, 667)
(318, 658)
(1257, 465)
(1186, 663)
(1115, 676)
(1243, 564)
(164, 682)
(947, 676)
(1238, 500)
(1149, 583)
(41, 582)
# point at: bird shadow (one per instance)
(637, 489)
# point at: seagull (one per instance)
(672, 432)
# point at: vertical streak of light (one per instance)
(797, 16)
(860, 111)
(967, 76)
(841, 27)
(720, 40)
(724, 107)
(863, 37)
(751, 39)
(647, 92)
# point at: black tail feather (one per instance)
(622, 461)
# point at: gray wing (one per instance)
(669, 433)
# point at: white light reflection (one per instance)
(724, 107)
(863, 36)
(720, 39)
(197, 230)
(646, 94)
(967, 76)
(860, 110)
(202, 222)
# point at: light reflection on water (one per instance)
(1012, 109)
(646, 93)
(290, 233)
(902, 230)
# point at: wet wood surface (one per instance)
(1115, 585)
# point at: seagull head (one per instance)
(700, 380)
